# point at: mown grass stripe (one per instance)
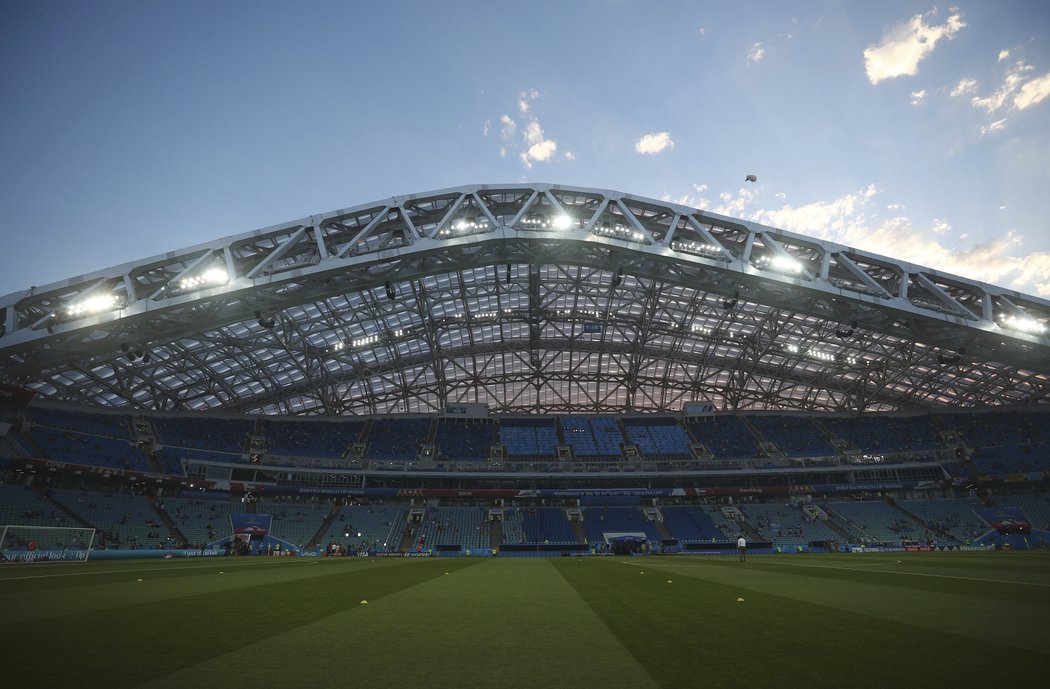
(694, 633)
(164, 568)
(909, 574)
(126, 645)
(897, 576)
(507, 624)
(27, 601)
(1018, 623)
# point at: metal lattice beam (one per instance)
(485, 292)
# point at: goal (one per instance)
(45, 543)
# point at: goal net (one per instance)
(45, 543)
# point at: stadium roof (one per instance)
(531, 298)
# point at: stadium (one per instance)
(525, 425)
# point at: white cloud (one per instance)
(1033, 92)
(525, 137)
(1017, 92)
(1003, 54)
(905, 45)
(1002, 96)
(687, 200)
(654, 143)
(993, 127)
(525, 98)
(917, 97)
(735, 204)
(506, 133)
(533, 133)
(543, 150)
(780, 196)
(851, 220)
(756, 53)
(702, 31)
(1034, 270)
(485, 128)
(822, 219)
(509, 127)
(539, 147)
(964, 86)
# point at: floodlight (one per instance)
(216, 276)
(95, 304)
(1024, 324)
(562, 221)
(785, 264)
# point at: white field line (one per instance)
(152, 569)
(869, 571)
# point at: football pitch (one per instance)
(873, 620)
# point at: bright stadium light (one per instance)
(212, 277)
(618, 231)
(699, 248)
(562, 222)
(216, 276)
(95, 304)
(1024, 324)
(364, 341)
(785, 264)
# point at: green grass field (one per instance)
(875, 620)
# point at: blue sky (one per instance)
(912, 129)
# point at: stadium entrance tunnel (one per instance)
(629, 545)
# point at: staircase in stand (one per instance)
(315, 540)
(495, 533)
(750, 532)
(66, 511)
(846, 537)
(170, 523)
(413, 519)
(935, 529)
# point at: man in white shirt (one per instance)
(741, 547)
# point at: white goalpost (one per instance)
(45, 543)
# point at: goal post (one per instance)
(45, 543)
